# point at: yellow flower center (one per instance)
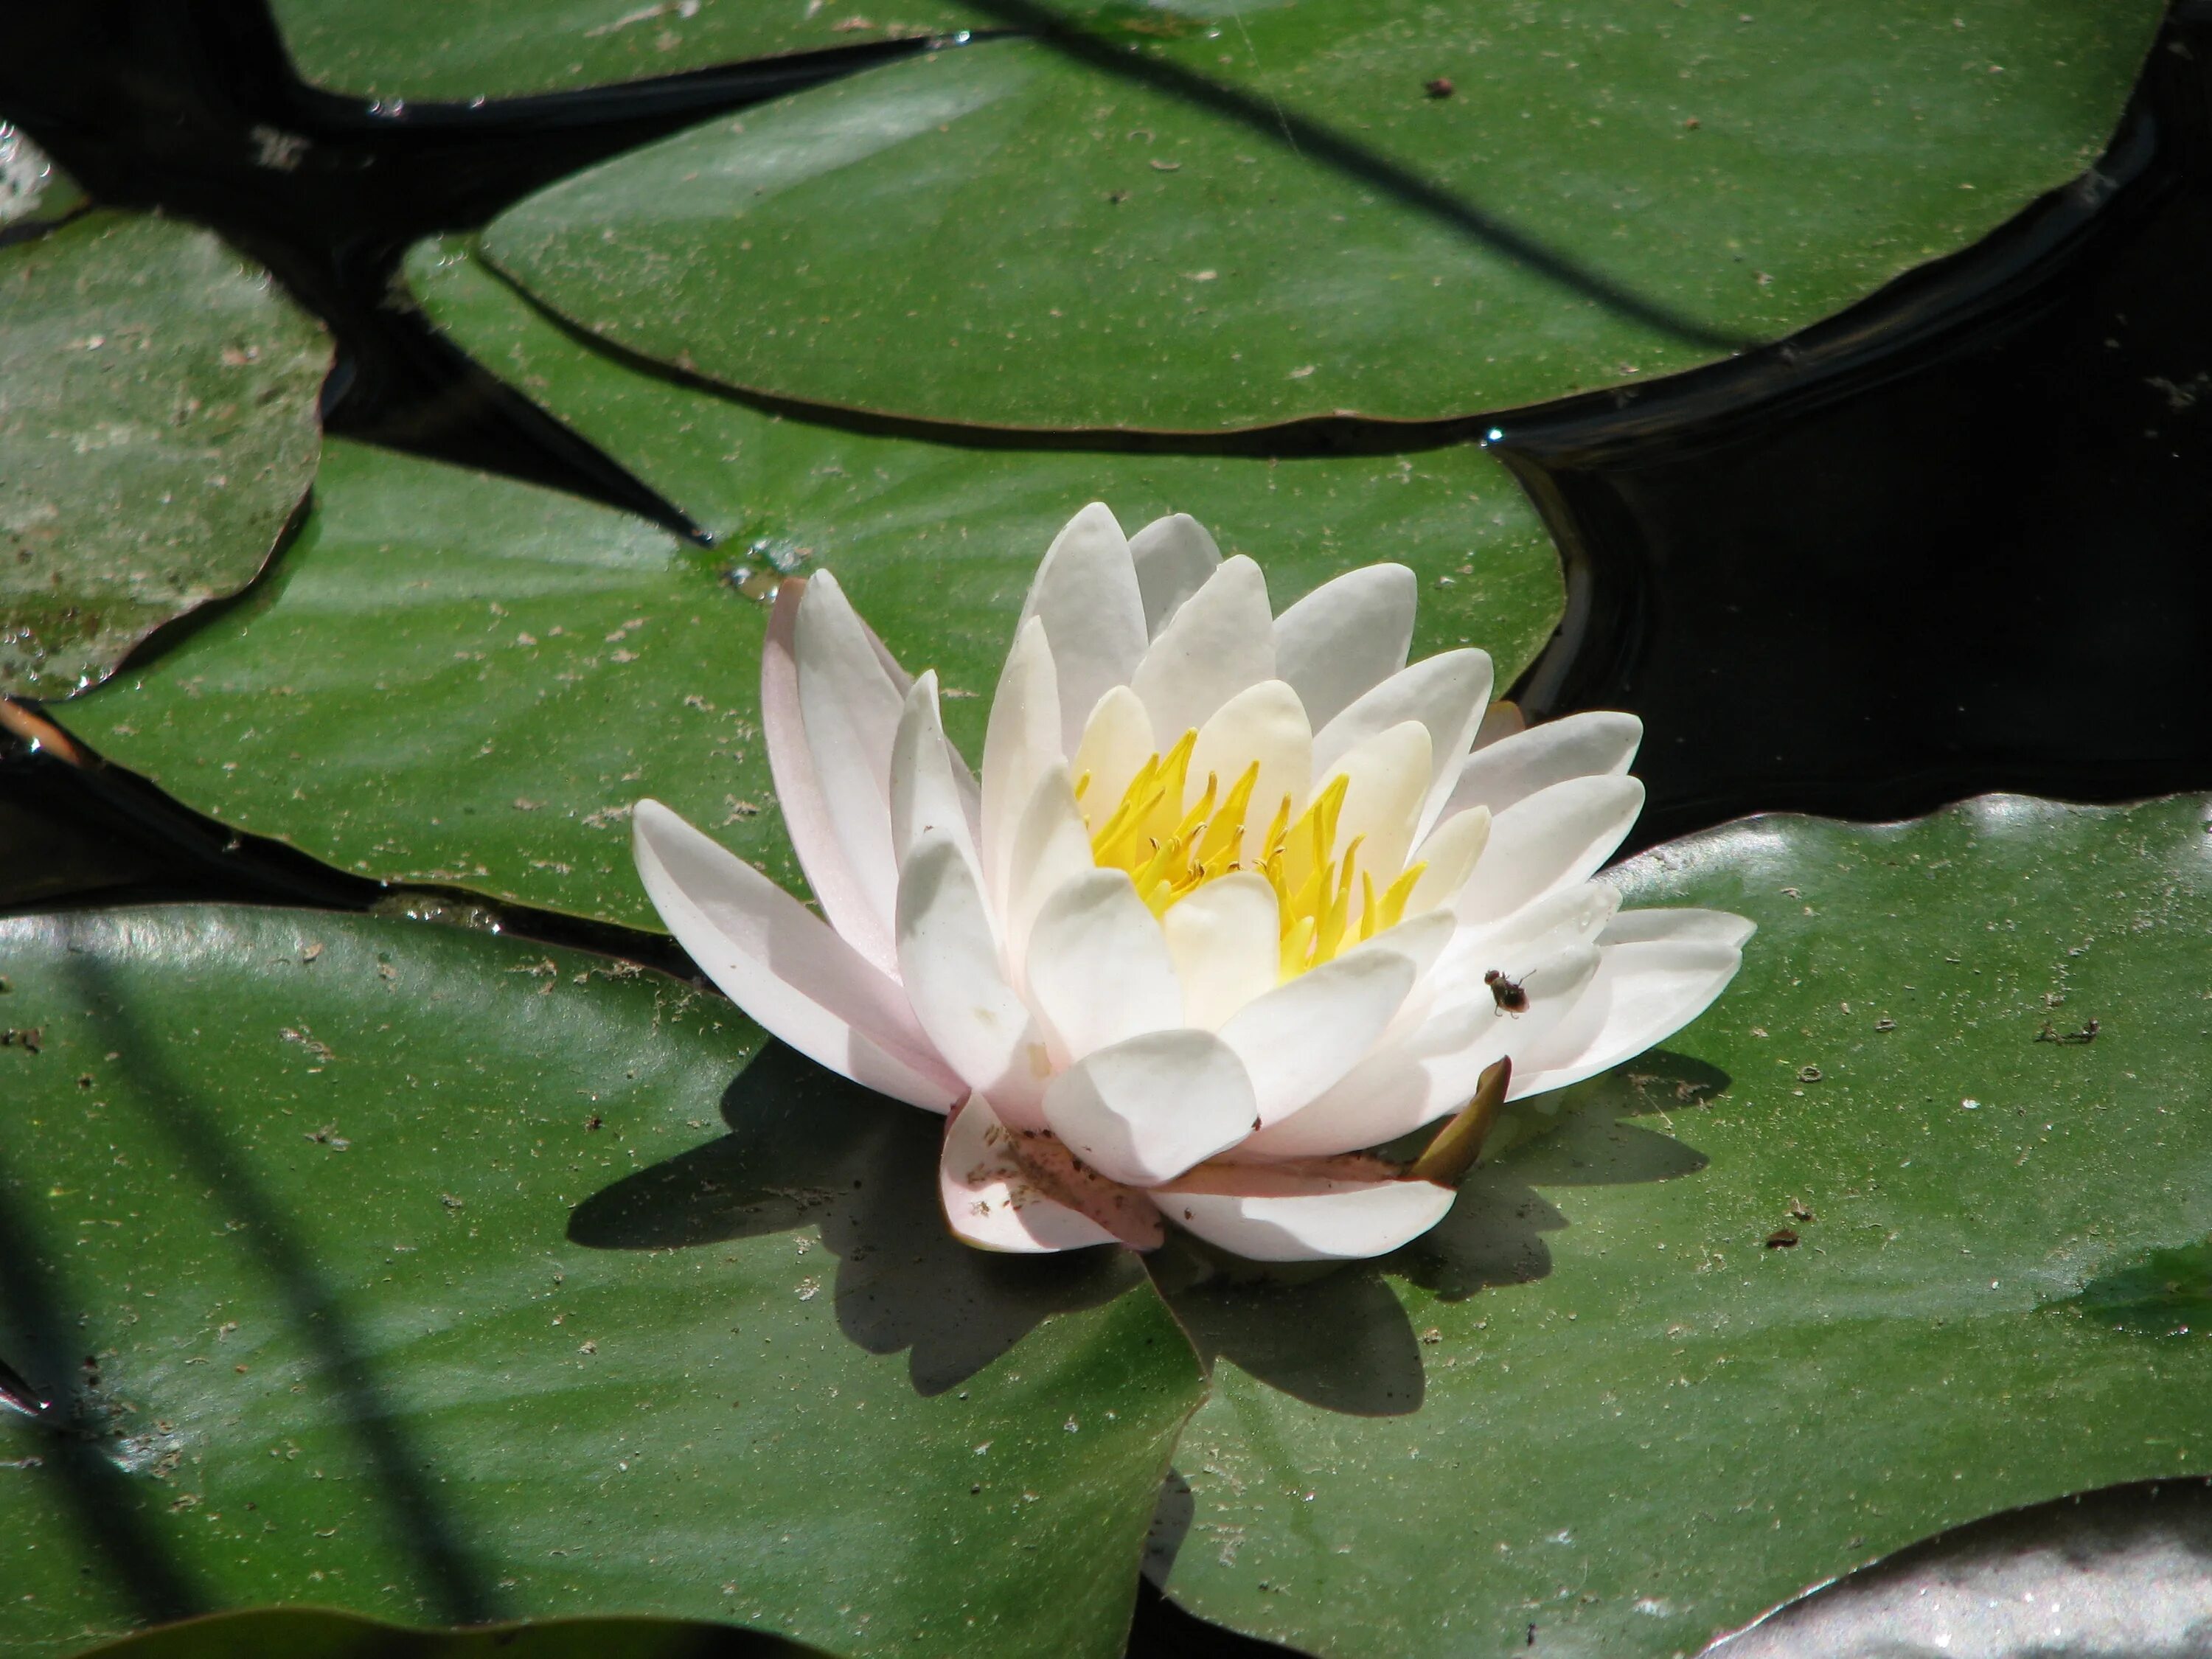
(1326, 902)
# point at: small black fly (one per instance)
(1507, 993)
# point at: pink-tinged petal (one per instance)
(990, 1199)
(1446, 693)
(783, 966)
(1555, 838)
(1266, 1214)
(1717, 926)
(806, 813)
(1117, 741)
(1264, 723)
(1308, 1032)
(950, 963)
(851, 710)
(1643, 994)
(1144, 1110)
(1051, 848)
(1086, 595)
(1221, 641)
(1098, 968)
(1173, 556)
(1346, 636)
(926, 793)
(1415, 1077)
(1599, 743)
(1225, 938)
(1020, 746)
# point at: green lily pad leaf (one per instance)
(511, 48)
(157, 430)
(313, 1634)
(448, 677)
(413, 1271)
(1250, 220)
(1622, 1405)
(2167, 1293)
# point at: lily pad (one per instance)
(1630, 1410)
(1249, 219)
(288, 1633)
(158, 428)
(412, 1271)
(449, 678)
(470, 49)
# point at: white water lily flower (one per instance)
(1239, 896)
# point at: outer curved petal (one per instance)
(1555, 838)
(1417, 1076)
(990, 1199)
(1347, 636)
(1280, 1215)
(926, 793)
(806, 814)
(1641, 994)
(1173, 556)
(1021, 744)
(1599, 743)
(1086, 595)
(1098, 968)
(1719, 926)
(1221, 641)
(1145, 1110)
(783, 966)
(1051, 848)
(1446, 693)
(949, 961)
(850, 707)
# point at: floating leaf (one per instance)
(1619, 1406)
(449, 677)
(1242, 220)
(157, 428)
(288, 1633)
(416, 1272)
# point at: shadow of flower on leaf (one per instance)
(1339, 1337)
(806, 1148)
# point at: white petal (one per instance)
(806, 814)
(1117, 741)
(1173, 556)
(1388, 780)
(1098, 968)
(1533, 933)
(1417, 1077)
(1145, 1110)
(1086, 595)
(1225, 938)
(782, 965)
(1265, 723)
(1021, 744)
(950, 963)
(1643, 994)
(1347, 636)
(926, 793)
(851, 709)
(1720, 927)
(1282, 1215)
(1051, 846)
(1450, 852)
(1307, 1033)
(1222, 641)
(1447, 693)
(1599, 743)
(990, 1199)
(1555, 838)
